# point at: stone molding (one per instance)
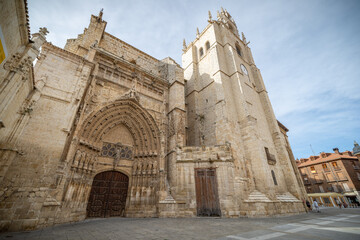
(217, 153)
(64, 53)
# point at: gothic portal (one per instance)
(108, 130)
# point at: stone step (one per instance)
(256, 196)
(287, 197)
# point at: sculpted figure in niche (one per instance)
(134, 168)
(77, 158)
(154, 167)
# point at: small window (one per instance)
(273, 176)
(201, 51)
(207, 45)
(334, 164)
(324, 166)
(238, 49)
(313, 169)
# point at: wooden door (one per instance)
(108, 195)
(207, 198)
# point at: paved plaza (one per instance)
(330, 223)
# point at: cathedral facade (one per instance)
(108, 130)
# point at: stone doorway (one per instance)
(108, 195)
(207, 198)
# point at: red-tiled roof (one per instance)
(318, 159)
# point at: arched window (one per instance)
(207, 45)
(273, 176)
(238, 49)
(201, 51)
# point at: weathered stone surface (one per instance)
(102, 105)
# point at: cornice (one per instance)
(66, 53)
(125, 43)
(160, 80)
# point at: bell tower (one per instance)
(227, 103)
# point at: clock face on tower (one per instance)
(243, 69)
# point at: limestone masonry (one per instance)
(101, 129)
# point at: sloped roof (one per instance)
(318, 159)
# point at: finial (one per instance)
(355, 143)
(210, 17)
(101, 13)
(184, 45)
(218, 15)
(222, 10)
(197, 32)
(43, 31)
(243, 37)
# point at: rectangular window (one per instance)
(340, 176)
(313, 169)
(270, 157)
(273, 176)
(321, 189)
(324, 165)
(329, 177)
(334, 164)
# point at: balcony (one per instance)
(330, 180)
(350, 190)
(326, 170)
(337, 180)
(337, 168)
(319, 181)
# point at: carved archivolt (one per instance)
(129, 113)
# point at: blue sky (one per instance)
(308, 52)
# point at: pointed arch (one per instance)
(129, 113)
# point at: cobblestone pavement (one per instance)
(330, 223)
